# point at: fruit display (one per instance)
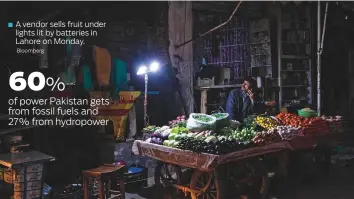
(291, 119)
(267, 137)
(180, 121)
(316, 125)
(266, 122)
(309, 125)
(288, 132)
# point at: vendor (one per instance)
(240, 102)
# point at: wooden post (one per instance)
(203, 100)
(180, 29)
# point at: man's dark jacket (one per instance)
(239, 105)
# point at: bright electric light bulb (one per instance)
(142, 70)
(154, 66)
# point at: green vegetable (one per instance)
(177, 129)
(166, 142)
(211, 139)
(199, 135)
(172, 136)
(178, 137)
(191, 135)
(174, 144)
(202, 118)
(171, 143)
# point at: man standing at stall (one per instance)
(240, 102)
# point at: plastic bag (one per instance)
(222, 119)
(196, 125)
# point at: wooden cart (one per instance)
(213, 176)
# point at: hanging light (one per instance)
(346, 16)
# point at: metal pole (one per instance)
(279, 46)
(319, 58)
(324, 27)
(145, 101)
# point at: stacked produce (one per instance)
(267, 137)
(179, 121)
(150, 129)
(160, 135)
(291, 119)
(266, 122)
(245, 135)
(228, 140)
(199, 133)
(250, 121)
(288, 132)
(316, 125)
(335, 124)
(309, 125)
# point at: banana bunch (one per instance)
(266, 122)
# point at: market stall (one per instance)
(214, 148)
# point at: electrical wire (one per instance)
(217, 27)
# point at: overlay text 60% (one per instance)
(18, 83)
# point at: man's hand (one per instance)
(250, 94)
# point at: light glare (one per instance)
(154, 66)
(142, 70)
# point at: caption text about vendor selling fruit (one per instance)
(38, 34)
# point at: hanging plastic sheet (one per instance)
(118, 78)
(102, 65)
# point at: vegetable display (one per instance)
(150, 129)
(266, 122)
(250, 121)
(197, 134)
(267, 137)
(288, 132)
(160, 135)
(180, 121)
